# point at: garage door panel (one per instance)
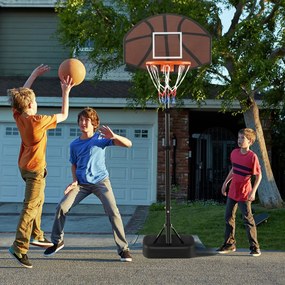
(54, 193)
(10, 150)
(11, 192)
(56, 172)
(56, 152)
(139, 193)
(55, 183)
(114, 153)
(141, 153)
(120, 193)
(9, 172)
(130, 169)
(69, 177)
(11, 183)
(91, 199)
(118, 173)
(139, 174)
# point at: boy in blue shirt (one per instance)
(90, 176)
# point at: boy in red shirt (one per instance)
(245, 164)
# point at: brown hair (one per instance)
(20, 98)
(91, 114)
(250, 134)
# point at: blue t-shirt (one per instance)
(89, 157)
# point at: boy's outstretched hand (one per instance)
(39, 70)
(70, 187)
(106, 132)
(66, 85)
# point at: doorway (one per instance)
(212, 161)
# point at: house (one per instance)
(27, 33)
(201, 140)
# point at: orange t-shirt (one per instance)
(34, 139)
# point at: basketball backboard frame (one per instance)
(186, 39)
(166, 34)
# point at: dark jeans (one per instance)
(103, 190)
(230, 217)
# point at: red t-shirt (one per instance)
(244, 166)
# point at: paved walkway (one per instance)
(89, 256)
(81, 219)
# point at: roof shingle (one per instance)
(50, 87)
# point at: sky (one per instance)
(226, 18)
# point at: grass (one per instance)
(206, 220)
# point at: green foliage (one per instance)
(206, 220)
(246, 60)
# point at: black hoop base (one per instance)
(180, 247)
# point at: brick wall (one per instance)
(179, 127)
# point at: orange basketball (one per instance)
(74, 68)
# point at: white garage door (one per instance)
(131, 170)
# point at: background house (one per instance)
(27, 39)
(202, 138)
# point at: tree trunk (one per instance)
(268, 192)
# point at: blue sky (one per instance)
(226, 18)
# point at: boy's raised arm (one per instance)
(107, 133)
(39, 70)
(66, 86)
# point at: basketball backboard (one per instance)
(167, 37)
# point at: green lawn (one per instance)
(206, 220)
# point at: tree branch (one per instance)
(279, 52)
(272, 14)
(239, 8)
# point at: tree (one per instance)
(247, 59)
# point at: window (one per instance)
(55, 132)
(141, 134)
(74, 132)
(87, 47)
(12, 131)
(120, 132)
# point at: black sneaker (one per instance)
(126, 256)
(21, 258)
(53, 249)
(227, 248)
(41, 243)
(255, 251)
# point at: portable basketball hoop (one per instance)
(168, 245)
(165, 44)
(166, 91)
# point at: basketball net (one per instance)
(162, 81)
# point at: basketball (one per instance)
(74, 68)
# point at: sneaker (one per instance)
(54, 249)
(126, 256)
(41, 243)
(21, 258)
(227, 248)
(255, 251)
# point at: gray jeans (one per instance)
(103, 190)
(230, 216)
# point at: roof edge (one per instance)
(27, 3)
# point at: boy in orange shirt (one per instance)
(32, 160)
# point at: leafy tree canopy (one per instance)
(247, 59)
